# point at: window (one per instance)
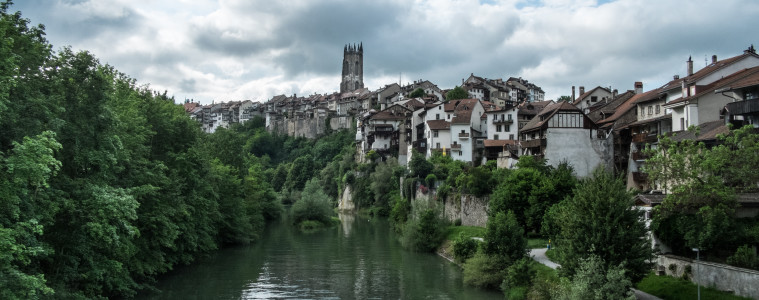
(462, 131)
(682, 123)
(497, 128)
(658, 109)
(437, 145)
(449, 116)
(495, 137)
(642, 112)
(650, 110)
(511, 136)
(437, 116)
(509, 117)
(593, 98)
(434, 133)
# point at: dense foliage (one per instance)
(105, 184)
(702, 182)
(600, 220)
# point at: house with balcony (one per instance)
(562, 132)
(502, 131)
(744, 110)
(387, 130)
(698, 102)
(466, 129)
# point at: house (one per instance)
(528, 110)
(594, 96)
(698, 102)
(386, 130)
(467, 131)
(562, 132)
(745, 108)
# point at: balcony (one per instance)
(464, 135)
(533, 143)
(644, 138)
(640, 177)
(639, 156)
(744, 107)
(502, 121)
(456, 146)
(422, 143)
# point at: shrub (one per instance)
(425, 232)
(457, 222)
(744, 257)
(399, 212)
(443, 191)
(484, 271)
(504, 237)
(430, 180)
(464, 247)
(314, 205)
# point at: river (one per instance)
(359, 259)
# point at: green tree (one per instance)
(564, 98)
(313, 205)
(419, 166)
(504, 237)
(456, 93)
(596, 280)
(300, 172)
(417, 93)
(600, 219)
(514, 193)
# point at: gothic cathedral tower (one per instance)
(353, 68)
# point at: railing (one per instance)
(640, 176)
(743, 107)
(533, 143)
(463, 135)
(502, 121)
(639, 155)
(456, 146)
(644, 138)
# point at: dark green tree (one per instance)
(456, 93)
(417, 93)
(600, 219)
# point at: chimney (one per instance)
(676, 77)
(714, 59)
(573, 93)
(614, 93)
(582, 90)
(690, 66)
(638, 87)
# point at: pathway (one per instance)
(539, 255)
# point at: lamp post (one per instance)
(698, 286)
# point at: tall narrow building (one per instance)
(353, 68)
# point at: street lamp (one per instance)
(698, 286)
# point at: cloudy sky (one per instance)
(221, 50)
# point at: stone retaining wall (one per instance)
(742, 282)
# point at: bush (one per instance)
(484, 271)
(314, 205)
(399, 212)
(430, 180)
(464, 247)
(504, 237)
(744, 257)
(425, 232)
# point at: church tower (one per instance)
(353, 68)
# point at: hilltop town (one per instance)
(503, 119)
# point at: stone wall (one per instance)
(742, 282)
(346, 203)
(309, 127)
(471, 210)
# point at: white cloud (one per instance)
(236, 49)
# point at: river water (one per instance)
(360, 259)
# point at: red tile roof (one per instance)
(439, 125)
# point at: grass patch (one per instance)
(471, 231)
(537, 243)
(545, 272)
(667, 287)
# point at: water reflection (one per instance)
(358, 260)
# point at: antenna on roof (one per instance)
(706, 62)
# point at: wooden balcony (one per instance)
(644, 138)
(639, 156)
(744, 107)
(463, 135)
(640, 177)
(456, 146)
(533, 143)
